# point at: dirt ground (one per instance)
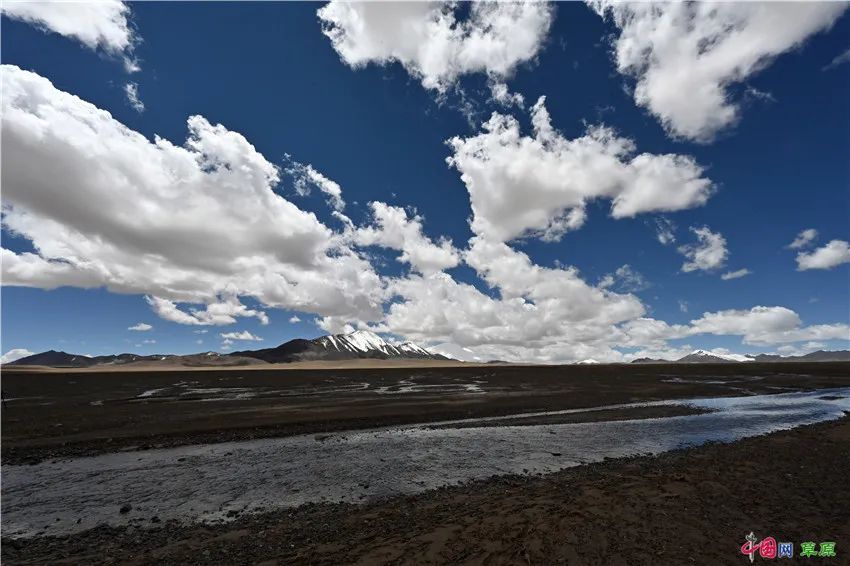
(62, 413)
(692, 506)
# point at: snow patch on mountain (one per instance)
(724, 356)
(367, 342)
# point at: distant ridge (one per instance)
(819, 356)
(360, 344)
(56, 359)
(355, 345)
(702, 356)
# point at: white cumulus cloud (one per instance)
(707, 254)
(199, 223)
(217, 313)
(832, 254)
(543, 314)
(15, 354)
(140, 327)
(243, 335)
(541, 184)
(685, 56)
(766, 325)
(737, 274)
(430, 40)
(500, 94)
(758, 325)
(393, 228)
(104, 24)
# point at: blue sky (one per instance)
(375, 124)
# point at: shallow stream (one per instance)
(216, 481)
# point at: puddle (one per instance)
(406, 386)
(152, 392)
(721, 380)
(205, 482)
(190, 391)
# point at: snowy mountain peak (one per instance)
(704, 354)
(698, 355)
(365, 338)
(410, 347)
(357, 341)
(367, 342)
(354, 345)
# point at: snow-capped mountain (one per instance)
(411, 348)
(698, 356)
(735, 357)
(367, 342)
(358, 344)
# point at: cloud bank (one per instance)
(201, 232)
(198, 223)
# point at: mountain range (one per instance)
(355, 345)
(361, 344)
(702, 356)
(54, 358)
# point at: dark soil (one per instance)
(73, 413)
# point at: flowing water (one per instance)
(212, 482)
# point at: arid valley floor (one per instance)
(642, 493)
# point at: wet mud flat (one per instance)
(214, 483)
(684, 506)
(65, 413)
